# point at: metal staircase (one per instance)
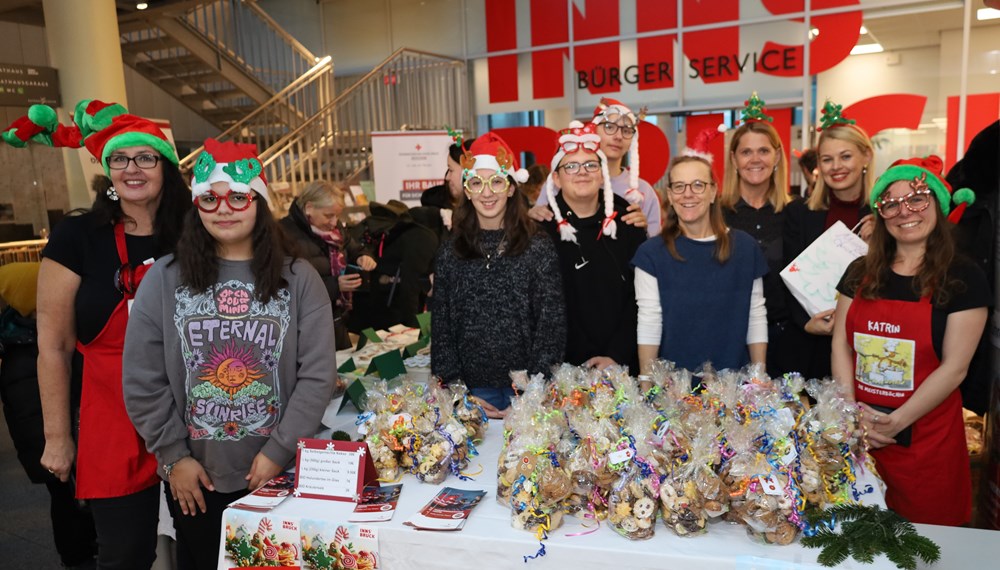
(223, 59)
(410, 90)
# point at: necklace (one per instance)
(491, 257)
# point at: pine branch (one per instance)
(866, 532)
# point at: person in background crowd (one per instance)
(908, 319)
(313, 222)
(91, 269)
(537, 175)
(223, 411)
(846, 169)
(72, 525)
(594, 253)
(446, 197)
(975, 234)
(698, 288)
(403, 251)
(808, 165)
(619, 132)
(754, 196)
(497, 302)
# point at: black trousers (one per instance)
(199, 537)
(126, 529)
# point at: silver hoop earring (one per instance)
(112, 193)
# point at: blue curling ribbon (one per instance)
(362, 418)
(813, 530)
(540, 553)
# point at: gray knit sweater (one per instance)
(487, 321)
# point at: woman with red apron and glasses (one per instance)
(91, 269)
(908, 320)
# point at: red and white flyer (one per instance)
(270, 495)
(377, 504)
(448, 510)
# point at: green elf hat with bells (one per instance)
(924, 173)
(100, 127)
(234, 163)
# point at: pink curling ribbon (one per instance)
(591, 515)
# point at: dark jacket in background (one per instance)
(404, 251)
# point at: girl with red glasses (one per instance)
(228, 350)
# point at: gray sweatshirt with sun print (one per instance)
(220, 376)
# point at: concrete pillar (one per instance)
(84, 46)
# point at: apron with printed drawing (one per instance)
(929, 481)
(112, 460)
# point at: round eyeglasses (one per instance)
(238, 201)
(574, 167)
(916, 201)
(497, 184)
(696, 186)
(612, 128)
(143, 161)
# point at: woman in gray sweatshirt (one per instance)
(220, 377)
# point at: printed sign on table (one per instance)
(259, 541)
(812, 277)
(331, 546)
(336, 470)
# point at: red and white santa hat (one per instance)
(611, 110)
(490, 152)
(701, 146)
(582, 137)
(234, 163)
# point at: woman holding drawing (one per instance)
(845, 155)
(906, 325)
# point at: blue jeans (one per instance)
(497, 397)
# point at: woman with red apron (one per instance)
(908, 321)
(91, 268)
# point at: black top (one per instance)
(973, 292)
(491, 316)
(598, 286)
(437, 196)
(765, 226)
(88, 250)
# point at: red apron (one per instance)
(929, 481)
(112, 460)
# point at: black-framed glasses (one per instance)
(574, 167)
(497, 183)
(696, 186)
(612, 128)
(143, 161)
(916, 201)
(238, 201)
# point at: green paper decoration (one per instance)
(243, 170)
(755, 110)
(833, 116)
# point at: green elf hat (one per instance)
(924, 173)
(755, 110)
(100, 127)
(236, 164)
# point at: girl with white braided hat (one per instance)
(594, 252)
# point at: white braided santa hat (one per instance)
(611, 110)
(582, 137)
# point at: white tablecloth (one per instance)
(489, 542)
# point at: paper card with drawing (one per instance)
(812, 277)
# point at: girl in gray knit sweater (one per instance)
(497, 303)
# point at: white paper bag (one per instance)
(812, 277)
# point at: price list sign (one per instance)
(333, 470)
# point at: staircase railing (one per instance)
(411, 89)
(286, 110)
(250, 34)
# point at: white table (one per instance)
(489, 542)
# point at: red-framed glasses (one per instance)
(210, 202)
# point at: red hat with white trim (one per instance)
(490, 152)
(235, 163)
(701, 146)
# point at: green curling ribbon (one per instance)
(203, 167)
(243, 170)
